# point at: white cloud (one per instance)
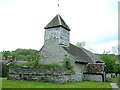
(100, 48)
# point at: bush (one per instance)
(118, 85)
(5, 70)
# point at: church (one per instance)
(57, 48)
(75, 64)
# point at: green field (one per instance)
(29, 84)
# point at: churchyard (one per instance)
(58, 64)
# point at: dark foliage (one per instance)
(4, 70)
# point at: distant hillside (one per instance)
(22, 54)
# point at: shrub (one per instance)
(67, 63)
(5, 70)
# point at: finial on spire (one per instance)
(58, 4)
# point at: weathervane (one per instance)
(58, 5)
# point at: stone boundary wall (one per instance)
(57, 75)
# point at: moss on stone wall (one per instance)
(67, 63)
(95, 68)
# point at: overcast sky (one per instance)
(22, 22)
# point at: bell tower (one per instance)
(58, 31)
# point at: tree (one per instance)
(6, 53)
(23, 54)
(27, 54)
(80, 44)
(109, 63)
(110, 60)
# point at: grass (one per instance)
(112, 79)
(118, 85)
(0, 83)
(118, 82)
(30, 84)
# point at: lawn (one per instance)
(29, 84)
(112, 79)
(118, 85)
(0, 83)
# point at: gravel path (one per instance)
(114, 86)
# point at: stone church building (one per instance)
(57, 47)
(57, 50)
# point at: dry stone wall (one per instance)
(58, 75)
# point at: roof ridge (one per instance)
(59, 19)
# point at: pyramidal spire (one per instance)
(57, 21)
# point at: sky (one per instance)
(22, 22)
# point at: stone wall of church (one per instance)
(79, 68)
(52, 53)
(58, 75)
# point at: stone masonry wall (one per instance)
(95, 68)
(93, 77)
(59, 33)
(94, 72)
(57, 75)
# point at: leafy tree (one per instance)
(110, 61)
(6, 53)
(23, 54)
(80, 44)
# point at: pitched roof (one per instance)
(57, 21)
(93, 56)
(82, 55)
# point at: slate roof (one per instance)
(57, 21)
(93, 56)
(82, 55)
